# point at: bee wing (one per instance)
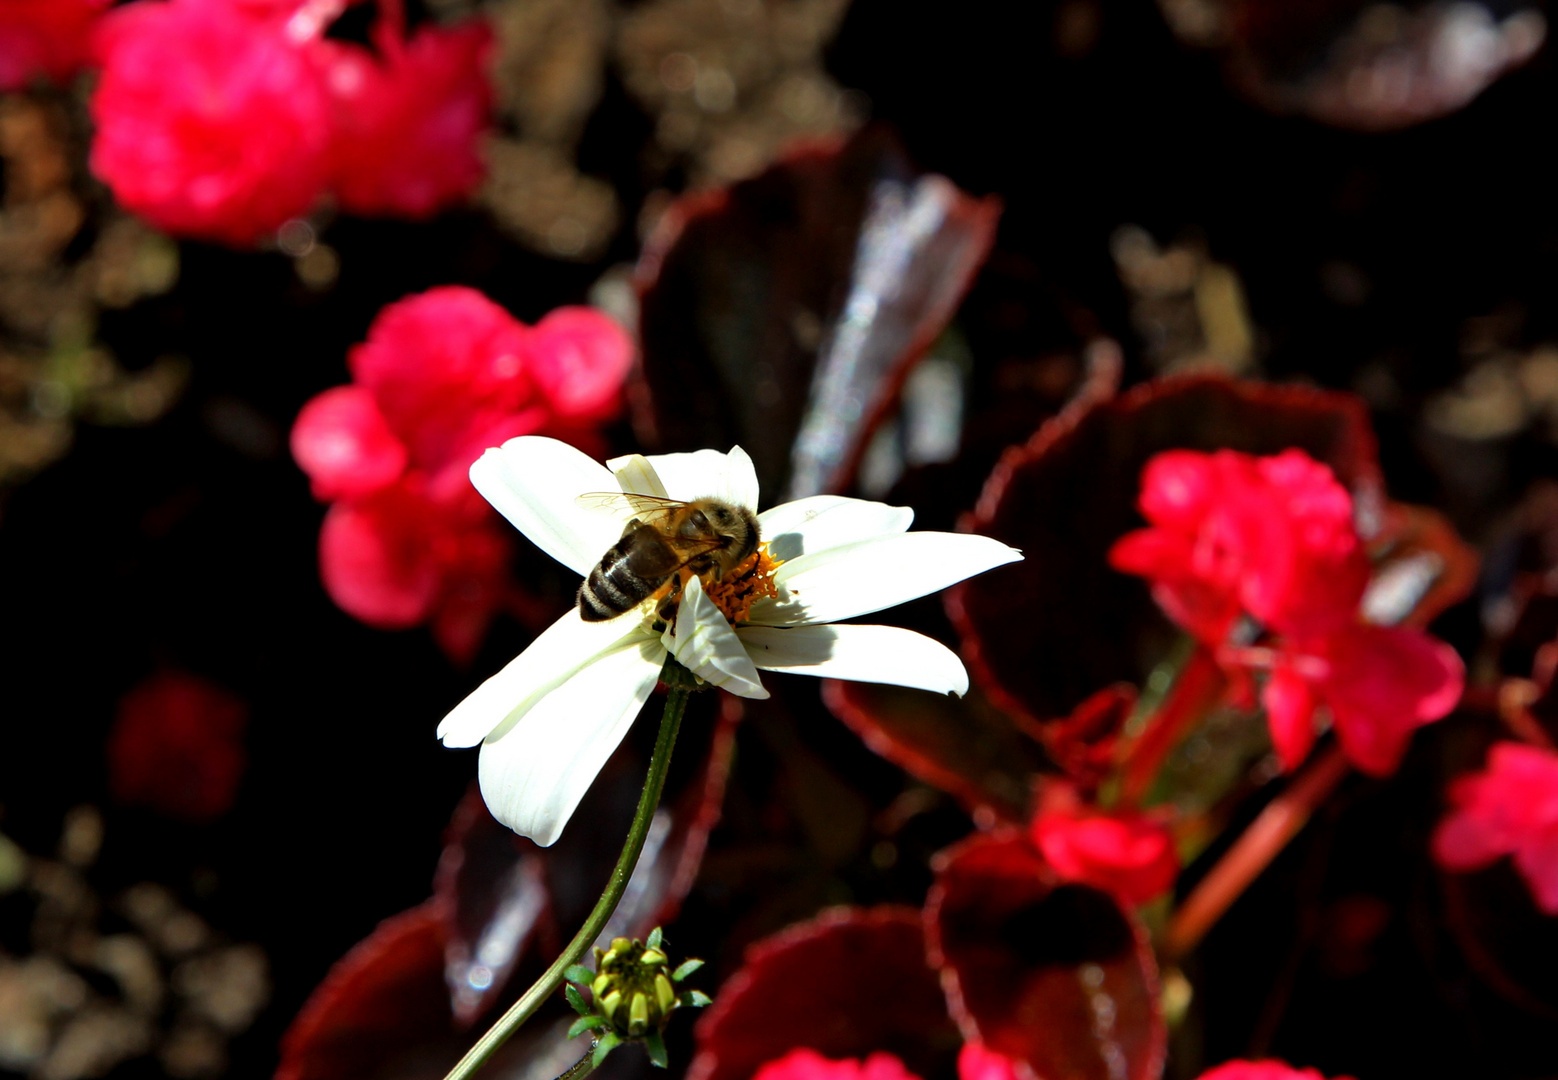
(624, 504)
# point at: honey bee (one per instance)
(664, 537)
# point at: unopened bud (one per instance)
(634, 988)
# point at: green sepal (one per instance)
(580, 974)
(576, 999)
(695, 999)
(608, 1042)
(687, 968)
(653, 942)
(656, 1047)
(586, 1023)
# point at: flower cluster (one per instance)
(548, 721)
(49, 39)
(1240, 545)
(977, 1063)
(222, 119)
(1509, 808)
(443, 375)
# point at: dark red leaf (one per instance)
(849, 982)
(1057, 976)
(783, 313)
(384, 996)
(1046, 633)
(1083, 744)
(966, 746)
(493, 887)
(1426, 569)
(1337, 62)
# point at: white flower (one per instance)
(549, 720)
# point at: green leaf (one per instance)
(696, 999)
(656, 1047)
(579, 974)
(687, 968)
(586, 1023)
(576, 999)
(654, 939)
(608, 1042)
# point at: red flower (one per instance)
(211, 121)
(975, 1062)
(177, 746)
(804, 1064)
(407, 128)
(1510, 808)
(1261, 1070)
(1124, 853)
(1233, 534)
(443, 375)
(48, 38)
(1273, 538)
(1380, 684)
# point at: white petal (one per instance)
(534, 774)
(820, 522)
(702, 473)
(534, 481)
(883, 654)
(855, 579)
(636, 475)
(562, 649)
(705, 644)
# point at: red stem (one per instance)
(389, 33)
(1197, 688)
(1268, 834)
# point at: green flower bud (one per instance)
(633, 987)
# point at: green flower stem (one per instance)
(681, 684)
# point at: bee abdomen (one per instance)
(606, 594)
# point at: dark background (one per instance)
(191, 543)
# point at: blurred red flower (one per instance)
(222, 119)
(211, 121)
(1125, 852)
(805, 1064)
(406, 140)
(45, 38)
(443, 375)
(1510, 808)
(1261, 1070)
(1272, 538)
(177, 746)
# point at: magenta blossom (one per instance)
(443, 375)
(1271, 539)
(1261, 1070)
(212, 122)
(49, 39)
(1510, 808)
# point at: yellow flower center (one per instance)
(747, 583)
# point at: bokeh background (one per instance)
(1193, 180)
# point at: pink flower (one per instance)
(975, 1062)
(1125, 853)
(1510, 808)
(1233, 534)
(45, 38)
(443, 375)
(804, 1064)
(1261, 1070)
(1379, 683)
(408, 127)
(177, 746)
(211, 122)
(1273, 538)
